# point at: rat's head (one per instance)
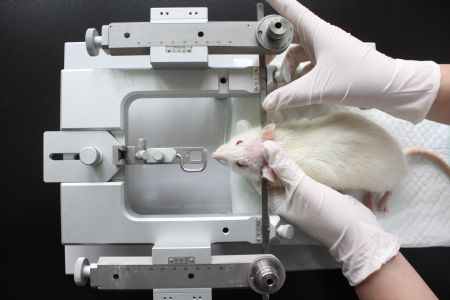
(243, 152)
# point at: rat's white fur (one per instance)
(342, 150)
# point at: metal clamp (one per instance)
(140, 154)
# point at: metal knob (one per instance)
(93, 42)
(90, 156)
(158, 155)
(285, 231)
(141, 143)
(81, 272)
(277, 28)
(266, 274)
(274, 33)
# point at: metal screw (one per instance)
(141, 143)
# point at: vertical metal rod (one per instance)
(259, 11)
(264, 194)
(265, 227)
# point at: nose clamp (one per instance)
(140, 154)
(185, 157)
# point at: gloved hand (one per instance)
(345, 226)
(349, 72)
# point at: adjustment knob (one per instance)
(286, 231)
(274, 33)
(277, 28)
(90, 156)
(266, 274)
(81, 272)
(93, 42)
(158, 156)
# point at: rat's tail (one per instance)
(431, 155)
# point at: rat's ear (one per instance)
(268, 131)
(242, 125)
(269, 174)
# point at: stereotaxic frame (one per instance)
(87, 154)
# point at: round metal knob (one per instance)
(274, 33)
(277, 28)
(286, 231)
(266, 274)
(158, 156)
(90, 156)
(81, 272)
(93, 42)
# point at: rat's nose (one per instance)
(218, 157)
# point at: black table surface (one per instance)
(32, 37)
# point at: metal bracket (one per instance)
(140, 154)
(182, 294)
(264, 273)
(79, 156)
(270, 35)
(180, 56)
(187, 254)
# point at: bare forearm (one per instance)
(397, 279)
(440, 111)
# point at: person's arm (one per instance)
(369, 255)
(440, 111)
(397, 279)
(344, 70)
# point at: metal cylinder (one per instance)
(277, 28)
(274, 33)
(266, 274)
(141, 143)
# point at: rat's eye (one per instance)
(238, 142)
(240, 165)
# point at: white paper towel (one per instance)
(419, 209)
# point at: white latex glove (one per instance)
(349, 72)
(340, 222)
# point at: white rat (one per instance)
(342, 150)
